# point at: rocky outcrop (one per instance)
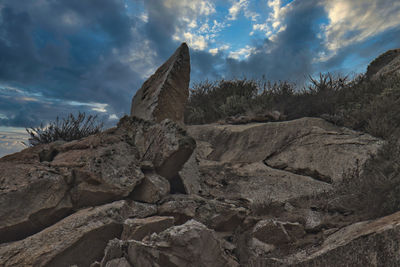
(386, 64)
(279, 161)
(149, 193)
(78, 239)
(95, 170)
(165, 93)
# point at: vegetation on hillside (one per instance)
(366, 105)
(66, 129)
(362, 104)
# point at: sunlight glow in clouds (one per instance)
(355, 21)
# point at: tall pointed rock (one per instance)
(165, 93)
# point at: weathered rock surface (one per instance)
(276, 232)
(95, 170)
(215, 214)
(368, 243)
(77, 239)
(165, 93)
(190, 244)
(275, 162)
(307, 146)
(151, 189)
(386, 64)
(137, 229)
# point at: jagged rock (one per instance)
(190, 175)
(276, 232)
(368, 243)
(114, 251)
(95, 170)
(165, 93)
(121, 262)
(309, 146)
(190, 244)
(258, 248)
(77, 239)
(215, 214)
(314, 220)
(386, 64)
(151, 189)
(166, 145)
(137, 229)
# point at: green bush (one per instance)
(67, 129)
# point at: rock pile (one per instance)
(151, 193)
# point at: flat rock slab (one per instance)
(165, 93)
(308, 146)
(261, 185)
(78, 239)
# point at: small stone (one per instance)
(152, 189)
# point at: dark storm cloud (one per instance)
(71, 50)
(97, 51)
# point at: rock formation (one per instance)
(150, 193)
(92, 171)
(386, 64)
(165, 93)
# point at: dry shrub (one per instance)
(66, 129)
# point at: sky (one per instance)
(58, 57)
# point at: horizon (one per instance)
(58, 57)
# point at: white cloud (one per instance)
(235, 9)
(192, 26)
(144, 17)
(195, 41)
(215, 51)
(274, 22)
(242, 53)
(11, 140)
(113, 117)
(355, 21)
(99, 107)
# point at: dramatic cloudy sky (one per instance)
(61, 56)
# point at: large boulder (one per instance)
(43, 184)
(165, 93)
(78, 239)
(310, 147)
(190, 244)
